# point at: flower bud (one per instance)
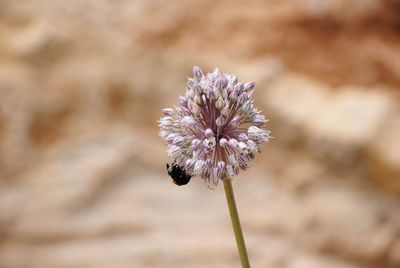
(189, 93)
(183, 101)
(219, 103)
(189, 163)
(229, 88)
(164, 134)
(220, 121)
(174, 151)
(190, 82)
(188, 121)
(246, 106)
(196, 109)
(243, 147)
(235, 122)
(243, 137)
(224, 93)
(198, 166)
(250, 94)
(264, 136)
(238, 88)
(195, 143)
(252, 146)
(259, 120)
(178, 140)
(210, 93)
(253, 132)
(249, 86)
(220, 168)
(223, 142)
(197, 100)
(166, 121)
(197, 88)
(242, 98)
(198, 73)
(219, 84)
(168, 111)
(216, 92)
(232, 159)
(215, 72)
(225, 111)
(233, 79)
(170, 137)
(233, 143)
(209, 133)
(233, 96)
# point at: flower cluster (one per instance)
(216, 130)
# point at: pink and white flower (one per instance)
(216, 131)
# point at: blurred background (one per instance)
(83, 181)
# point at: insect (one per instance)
(178, 175)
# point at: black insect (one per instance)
(178, 175)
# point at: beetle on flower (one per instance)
(216, 130)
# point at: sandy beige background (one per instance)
(82, 169)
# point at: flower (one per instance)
(216, 130)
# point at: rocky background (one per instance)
(82, 170)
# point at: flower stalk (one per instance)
(213, 133)
(237, 229)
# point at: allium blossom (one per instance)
(216, 130)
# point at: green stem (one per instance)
(236, 223)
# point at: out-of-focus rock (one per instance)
(83, 181)
(352, 116)
(339, 125)
(317, 262)
(348, 11)
(384, 155)
(331, 227)
(395, 252)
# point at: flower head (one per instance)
(216, 130)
